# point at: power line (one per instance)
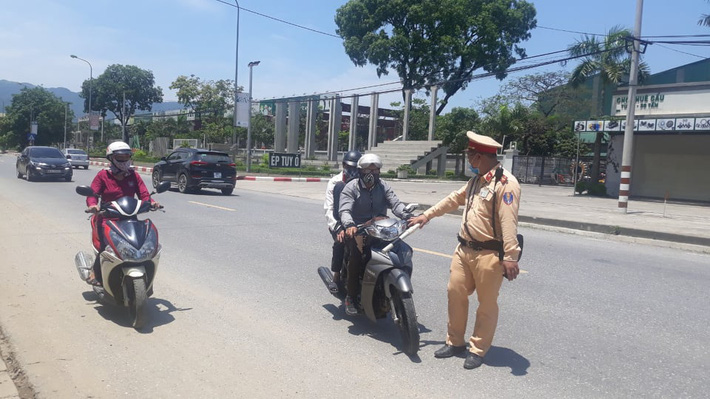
(679, 51)
(599, 34)
(570, 31)
(489, 74)
(280, 20)
(474, 77)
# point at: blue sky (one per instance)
(183, 37)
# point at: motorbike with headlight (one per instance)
(130, 255)
(386, 286)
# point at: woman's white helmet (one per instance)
(368, 160)
(118, 147)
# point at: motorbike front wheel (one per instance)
(136, 302)
(405, 318)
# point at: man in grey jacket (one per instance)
(363, 199)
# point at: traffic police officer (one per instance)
(488, 248)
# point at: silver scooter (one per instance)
(386, 285)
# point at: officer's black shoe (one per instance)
(448, 351)
(472, 361)
(350, 306)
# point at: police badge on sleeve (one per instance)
(508, 198)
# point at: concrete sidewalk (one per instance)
(687, 225)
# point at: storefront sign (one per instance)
(664, 103)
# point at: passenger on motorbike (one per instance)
(120, 180)
(331, 204)
(362, 200)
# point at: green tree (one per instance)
(431, 41)
(500, 119)
(208, 97)
(609, 59)
(117, 81)
(704, 19)
(418, 119)
(452, 128)
(210, 100)
(36, 104)
(557, 102)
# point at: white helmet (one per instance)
(369, 159)
(118, 147)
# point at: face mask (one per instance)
(473, 170)
(123, 165)
(349, 174)
(369, 179)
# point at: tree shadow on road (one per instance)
(504, 357)
(383, 330)
(159, 312)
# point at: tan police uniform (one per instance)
(474, 268)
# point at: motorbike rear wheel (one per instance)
(406, 321)
(136, 302)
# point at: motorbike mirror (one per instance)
(162, 187)
(86, 191)
(411, 207)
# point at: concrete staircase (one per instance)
(396, 153)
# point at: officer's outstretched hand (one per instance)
(511, 269)
(421, 220)
(350, 231)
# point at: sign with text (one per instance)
(243, 109)
(277, 160)
(664, 103)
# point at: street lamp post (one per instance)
(91, 79)
(251, 67)
(66, 111)
(236, 75)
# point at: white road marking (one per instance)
(213, 206)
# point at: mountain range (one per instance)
(8, 88)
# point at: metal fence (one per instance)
(550, 170)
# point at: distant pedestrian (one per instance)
(488, 248)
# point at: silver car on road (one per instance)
(77, 157)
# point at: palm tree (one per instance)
(704, 19)
(608, 59)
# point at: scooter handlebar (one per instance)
(404, 235)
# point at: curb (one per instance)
(252, 178)
(136, 168)
(285, 179)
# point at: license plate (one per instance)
(218, 175)
(53, 171)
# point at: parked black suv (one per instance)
(193, 169)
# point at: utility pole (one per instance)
(251, 67)
(66, 110)
(236, 81)
(124, 120)
(627, 154)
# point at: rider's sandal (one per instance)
(93, 281)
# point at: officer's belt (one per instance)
(492, 245)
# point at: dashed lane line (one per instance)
(213, 206)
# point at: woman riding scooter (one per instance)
(118, 181)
